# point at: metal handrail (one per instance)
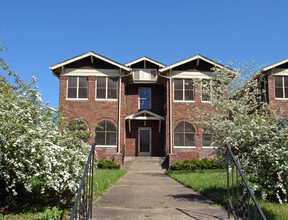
(243, 192)
(82, 208)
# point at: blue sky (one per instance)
(39, 34)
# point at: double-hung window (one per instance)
(281, 87)
(144, 98)
(183, 90)
(206, 90)
(77, 87)
(207, 139)
(106, 88)
(184, 135)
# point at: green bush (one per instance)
(107, 164)
(198, 164)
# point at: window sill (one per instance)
(281, 99)
(106, 100)
(206, 102)
(183, 101)
(207, 147)
(185, 147)
(106, 146)
(72, 99)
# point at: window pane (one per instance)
(101, 93)
(72, 82)
(144, 93)
(112, 83)
(278, 81)
(83, 82)
(101, 82)
(100, 138)
(206, 89)
(189, 95)
(178, 139)
(83, 93)
(153, 74)
(145, 104)
(112, 93)
(206, 139)
(188, 84)
(72, 92)
(136, 74)
(111, 138)
(110, 126)
(189, 127)
(286, 93)
(279, 92)
(189, 140)
(178, 83)
(179, 127)
(178, 94)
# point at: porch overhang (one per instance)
(144, 115)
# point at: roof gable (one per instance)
(197, 62)
(88, 60)
(280, 64)
(145, 62)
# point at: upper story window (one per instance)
(281, 87)
(144, 98)
(206, 90)
(106, 88)
(148, 75)
(183, 90)
(77, 87)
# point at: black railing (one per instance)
(241, 200)
(83, 204)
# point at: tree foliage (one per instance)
(35, 156)
(256, 135)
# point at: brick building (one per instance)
(144, 107)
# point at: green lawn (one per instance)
(213, 184)
(104, 179)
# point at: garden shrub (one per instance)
(205, 163)
(107, 164)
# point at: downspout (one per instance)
(119, 109)
(170, 111)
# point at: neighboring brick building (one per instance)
(274, 80)
(144, 107)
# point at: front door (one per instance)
(144, 142)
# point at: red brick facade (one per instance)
(163, 116)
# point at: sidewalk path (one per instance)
(152, 195)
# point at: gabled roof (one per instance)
(144, 115)
(275, 65)
(92, 54)
(189, 60)
(147, 59)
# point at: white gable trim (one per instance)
(275, 65)
(91, 72)
(189, 60)
(87, 55)
(147, 116)
(147, 59)
(191, 74)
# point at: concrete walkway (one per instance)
(153, 195)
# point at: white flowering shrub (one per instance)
(258, 138)
(35, 156)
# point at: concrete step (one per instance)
(144, 163)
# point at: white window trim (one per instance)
(106, 91)
(185, 147)
(207, 147)
(150, 98)
(106, 146)
(77, 90)
(183, 100)
(283, 88)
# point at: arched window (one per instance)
(105, 134)
(184, 135)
